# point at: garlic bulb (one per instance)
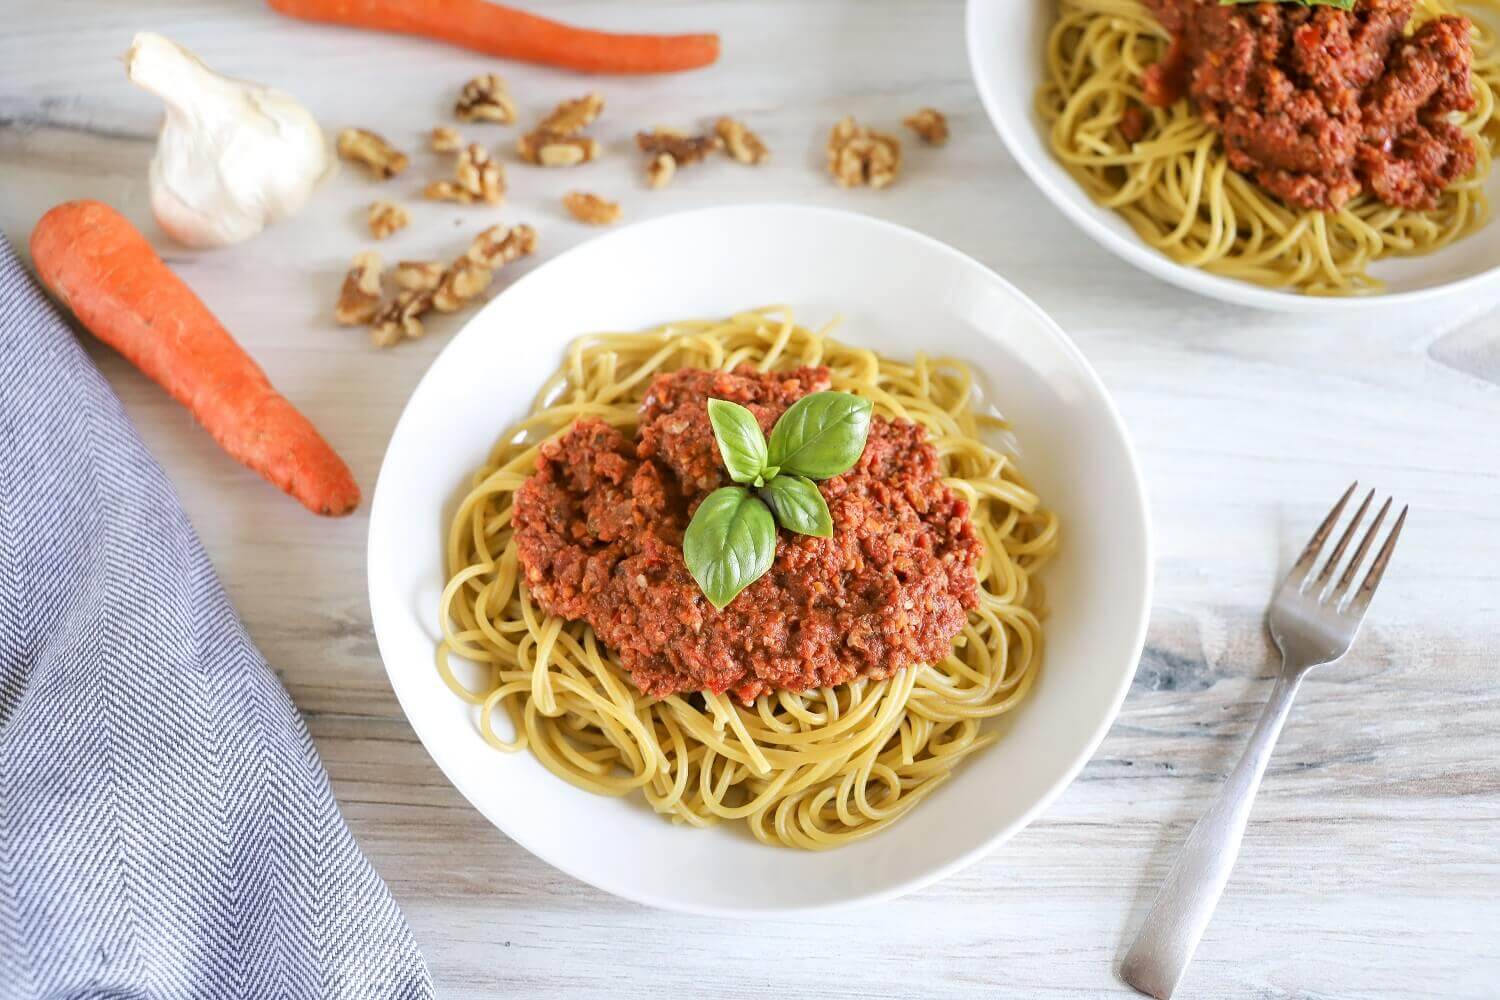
(232, 156)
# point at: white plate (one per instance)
(898, 292)
(1006, 41)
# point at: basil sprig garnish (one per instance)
(1340, 4)
(729, 543)
(731, 540)
(741, 444)
(799, 506)
(821, 435)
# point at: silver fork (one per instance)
(1313, 621)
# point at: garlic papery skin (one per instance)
(232, 156)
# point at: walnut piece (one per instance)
(548, 149)
(460, 283)
(418, 275)
(684, 149)
(571, 117)
(359, 298)
(426, 285)
(385, 217)
(447, 191)
(660, 170)
(480, 178)
(480, 174)
(591, 208)
(400, 317)
(499, 245)
(371, 151)
(929, 124)
(859, 156)
(485, 99)
(445, 139)
(741, 143)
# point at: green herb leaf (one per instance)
(741, 444)
(821, 435)
(729, 543)
(1340, 4)
(799, 506)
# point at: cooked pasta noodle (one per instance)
(1175, 186)
(814, 769)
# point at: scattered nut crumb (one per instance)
(499, 245)
(447, 191)
(385, 217)
(547, 149)
(418, 275)
(682, 148)
(460, 283)
(564, 154)
(556, 142)
(425, 285)
(670, 148)
(359, 298)
(480, 174)
(400, 318)
(930, 126)
(571, 117)
(371, 151)
(485, 99)
(591, 208)
(741, 143)
(660, 170)
(860, 156)
(445, 139)
(480, 178)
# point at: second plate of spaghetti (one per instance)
(739, 608)
(1273, 154)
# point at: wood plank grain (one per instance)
(1372, 865)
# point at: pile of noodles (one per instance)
(1175, 186)
(813, 769)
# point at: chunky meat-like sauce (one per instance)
(1319, 104)
(599, 531)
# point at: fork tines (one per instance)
(1302, 579)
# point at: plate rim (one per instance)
(990, 842)
(1133, 250)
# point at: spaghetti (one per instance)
(811, 770)
(1175, 187)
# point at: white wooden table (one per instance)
(1372, 864)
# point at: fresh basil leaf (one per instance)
(799, 506)
(1340, 4)
(729, 543)
(821, 435)
(741, 444)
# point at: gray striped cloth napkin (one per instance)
(166, 827)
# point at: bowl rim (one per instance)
(1077, 206)
(1085, 751)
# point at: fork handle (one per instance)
(1161, 952)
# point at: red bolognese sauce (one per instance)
(599, 530)
(1319, 104)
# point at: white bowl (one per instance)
(1006, 40)
(898, 292)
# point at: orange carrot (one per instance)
(102, 268)
(513, 34)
